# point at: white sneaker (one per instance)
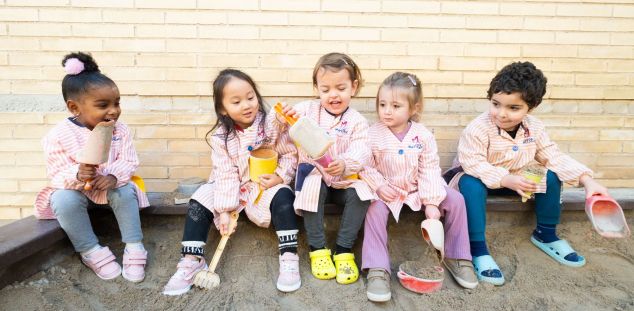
(289, 279)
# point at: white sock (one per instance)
(135, 246)
(87, 253)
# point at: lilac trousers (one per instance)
(375, 253)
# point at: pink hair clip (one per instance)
(73, 66)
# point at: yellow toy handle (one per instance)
(278, 108)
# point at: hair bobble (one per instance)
(73, 66)
(412, 80)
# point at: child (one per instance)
(336, 78)
(242, 126)
(405, 171)
(492, 152)
(92, 98)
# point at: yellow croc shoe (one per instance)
(347, 271)
(321, 264)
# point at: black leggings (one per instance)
(199, 218)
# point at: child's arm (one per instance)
(358, 153)
(472, 155)
(225, 177)
(566, 168)
(431, 186)
(379, 184)
(125, 164)
(60, 167)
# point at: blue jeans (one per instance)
(547, 205)
(71, 209)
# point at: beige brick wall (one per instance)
(163, 55)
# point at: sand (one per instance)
(249, 268)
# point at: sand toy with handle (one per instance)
(606, 216)
(309, 136)
(434, 235)
(208, 278)
(97, 147)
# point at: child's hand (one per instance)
(336, 168)
(519, 184)
(104, 182)
(224, 219)
(270, 180)
(387, 193)
(86, 172)
(288, 111)
(592, 187)
(432, 212)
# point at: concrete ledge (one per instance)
(26, 245)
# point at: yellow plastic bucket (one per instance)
(262, 161)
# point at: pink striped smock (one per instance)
(62, 145)
(410, 166)
(350, 131)
(229, 187)
(490, 153)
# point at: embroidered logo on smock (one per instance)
(342, 128)
(528, 140)
(261, 138)
(416, 144)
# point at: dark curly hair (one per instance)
(73, 86)
(521, 77)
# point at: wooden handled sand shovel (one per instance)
(208, 278)
(97, 147)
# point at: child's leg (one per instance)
(352, 218)
(548, 211)
(125, 206)
(548, 208)
(351, 221)
(475, 196)
(375, 253)
(285, 223)
(314, 222)
(284, 220)
(455, 223)
(70, 208)
(457, 248)
(197, 223)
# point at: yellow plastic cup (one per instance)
(534, 177)
(262, 161)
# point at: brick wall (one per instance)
(163, 55)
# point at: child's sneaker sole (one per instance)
(177, 292)
(289, 288)
(379, 297)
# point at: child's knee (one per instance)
(471, 185)
(552, 181)
(122, 194)
(67, 201)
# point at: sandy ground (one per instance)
(249, 269)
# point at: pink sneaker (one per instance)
(181, 282)
(289, 279)
(103, 263)
(134, 265)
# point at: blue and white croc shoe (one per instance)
(487, 270)
(559, 250)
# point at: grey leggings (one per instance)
(351, 220)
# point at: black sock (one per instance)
(340, 249)
(546, 233)
(288, 241)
